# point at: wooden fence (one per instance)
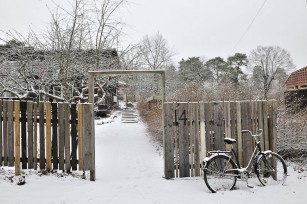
(192, 129)
(46, 136)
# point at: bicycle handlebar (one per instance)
(250, 132)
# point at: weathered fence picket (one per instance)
(74, 142)
(192, 129)
(184, 144)
(80, 137)
(17, 137)
(67, 136)
(48, 135)
(42, 145)
(10, 132)
(53, 135)
(169, 142)
(246, 125)
(30, 134)
(196, 141)
(61, 135)
(24, 156)
(4, 125)
(35, 135)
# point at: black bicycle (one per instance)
(221, 171)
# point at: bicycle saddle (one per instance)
(228, 140)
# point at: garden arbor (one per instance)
(93, 74)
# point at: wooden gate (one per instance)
(192, 129)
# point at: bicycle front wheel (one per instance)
(220, 173)
(271, 169)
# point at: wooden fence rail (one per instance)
(46, 136)
(192, 129)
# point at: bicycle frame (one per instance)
(252, 160)
(254, 157)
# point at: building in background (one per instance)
(295, 90)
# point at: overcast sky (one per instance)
(206, 28)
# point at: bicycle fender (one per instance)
(263, 154)
(206, 159)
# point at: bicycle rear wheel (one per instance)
(220, 173)
(271, 169)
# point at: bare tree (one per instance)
(78, 40)
(155, 52)
(269, 61)
(106, 28)
(130, 57)
(155, 55)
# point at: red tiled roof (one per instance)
(298, 77)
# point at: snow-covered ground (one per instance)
(129, 169)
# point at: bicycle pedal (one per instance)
(250, 186)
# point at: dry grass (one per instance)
(152, 118)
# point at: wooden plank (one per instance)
(191, 124)
(254, 124)
(168, 142)
(30, 134)
(211, 126)
(208, 116)
(93, 171)
(80, 138)
(176, 133)
(73, 136)
(239, 133)
(197, 141)
(61, 135)
(233, 118)
(42, 147)
(48, 135)
(260, 121)
(10, 131)
(227, 122)
(246, 125)
(227, 119)
(233, 123)
(219, 126)
(67, 136)
(17, 137)
(1, 115)
(184, 166)
(265, 125)
(24, 156)
(89, 162)
(35, 135)
(202, 129)
(253, 116)
(272, 125)
(55, 160)
(4, 122)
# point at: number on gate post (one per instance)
(183, 117)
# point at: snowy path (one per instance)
(129, 170)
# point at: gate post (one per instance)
(89, 115)
(89, 140)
